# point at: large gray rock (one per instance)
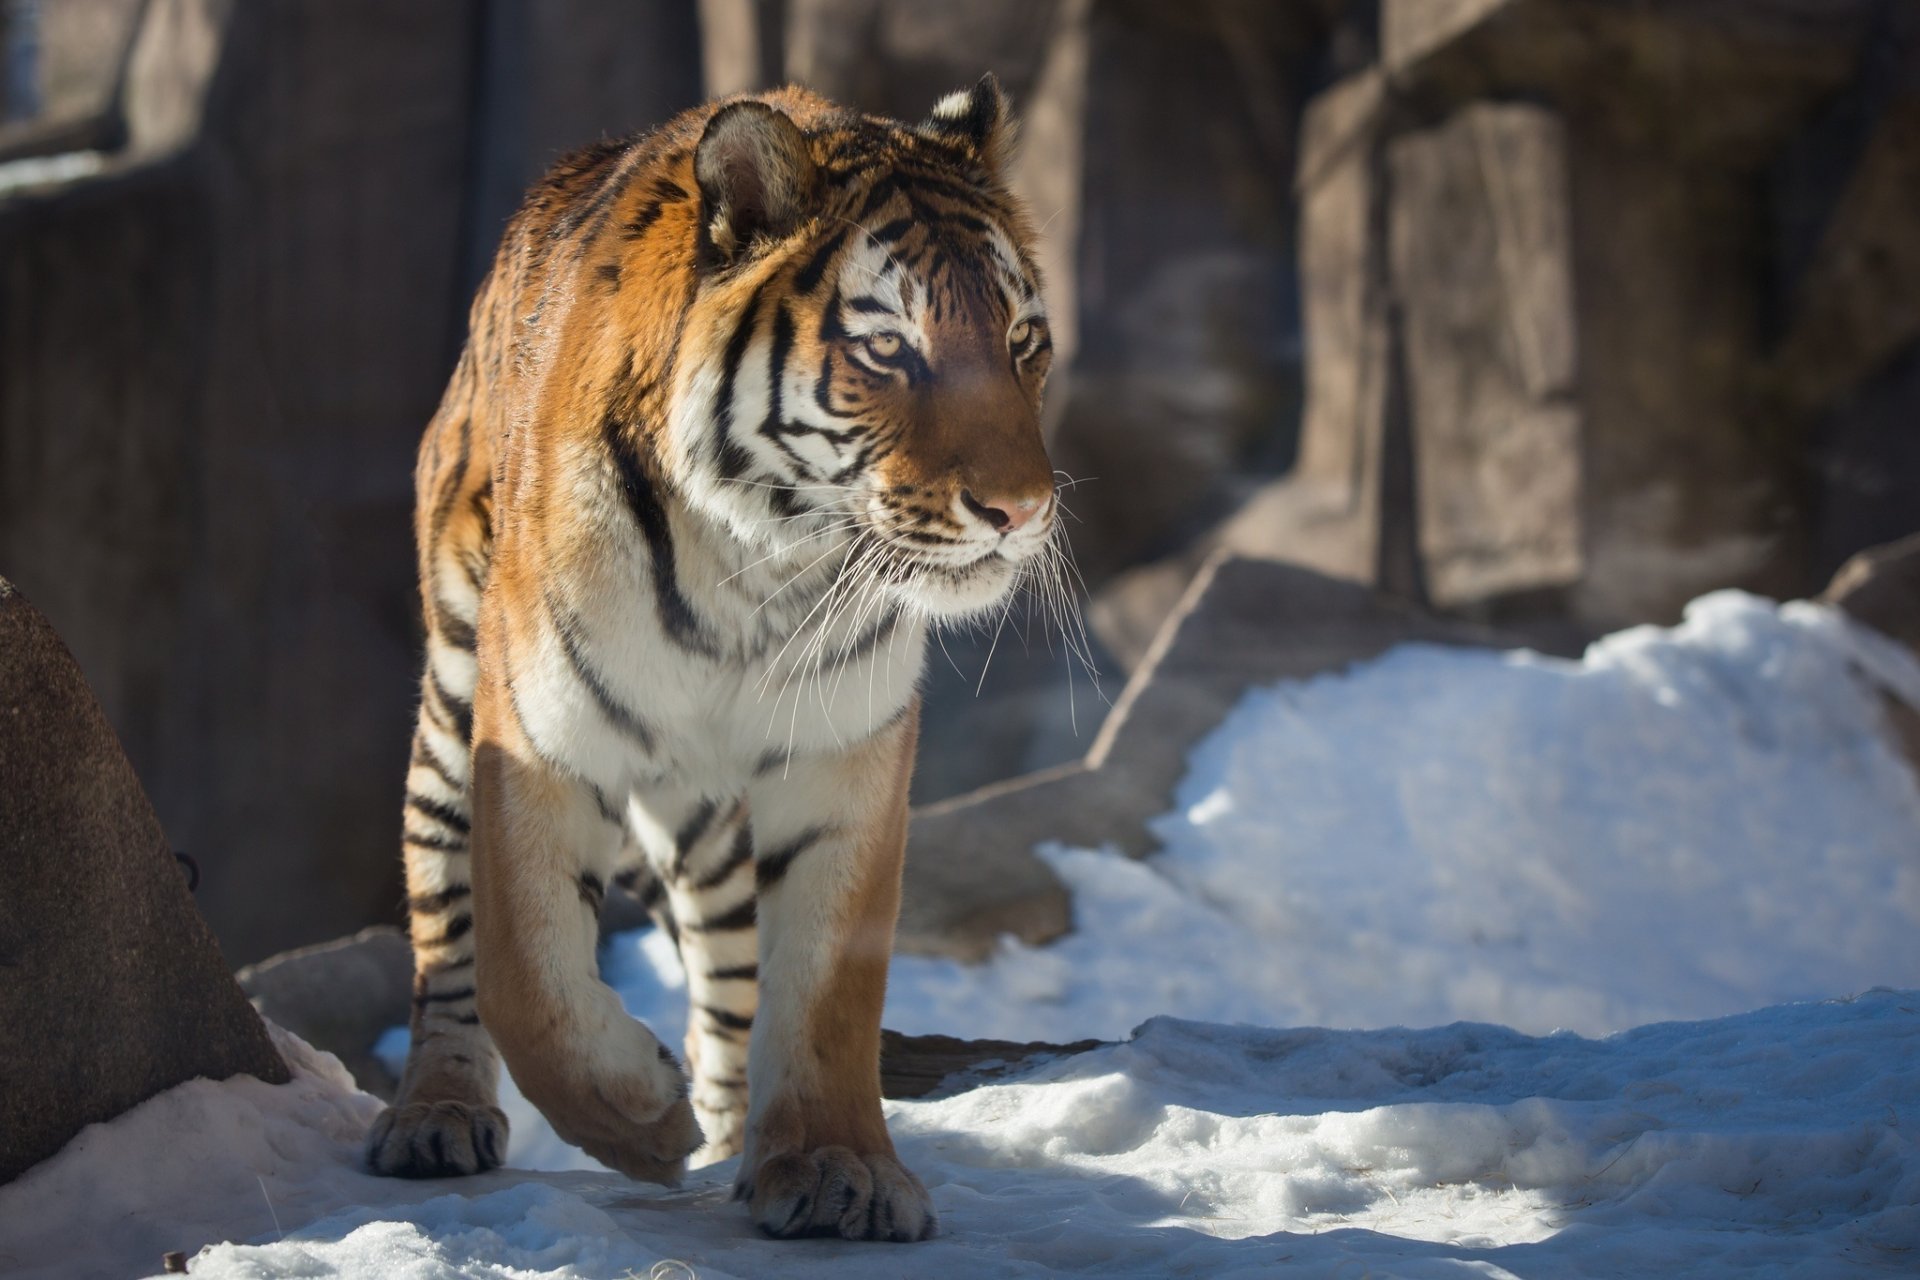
(1548, 372)
(971, 871)
(115, 989)
(340, 996)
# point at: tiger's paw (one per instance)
(436, 1140)
(833, 1191)
(621, 1098)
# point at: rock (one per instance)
(66, 97)
(1182, 390)
(916, 1066)
(340, 996)
(1881, 588)
(1542, 373)
(1848, 273)
(115, 989)
(1481, 252)
(971, 871)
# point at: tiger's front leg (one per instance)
(831, 841)
(542, 844)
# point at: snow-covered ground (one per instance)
(1784, 1142)
(1685, 824)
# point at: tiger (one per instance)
(750, 404)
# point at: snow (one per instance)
(1780, 1142)
(1704, 823)
(1685, 823)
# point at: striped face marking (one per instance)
(891, 392)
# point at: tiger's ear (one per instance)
(977, 119)
(756, 178)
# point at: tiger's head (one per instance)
(876, 345)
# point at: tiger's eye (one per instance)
(1018, 335)
(884, 346)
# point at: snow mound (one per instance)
(1776, 1143)
(1684, 823)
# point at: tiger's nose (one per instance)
(1004, 514)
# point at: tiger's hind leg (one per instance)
(445, 1119)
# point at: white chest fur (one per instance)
(705, 670)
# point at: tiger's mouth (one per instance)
(951, 590)
(943, 579)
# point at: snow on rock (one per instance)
(1780, 1143)
(1684, 823)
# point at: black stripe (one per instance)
(641, 222)
(891, 232)
(776, 373)
(769, 870)
(741, 917)
(592, 891)
(607, 812)
(733, 459)
(883, 190)
(965, 221)
(736, 858)
(453, 628)
(460, 709)
(424, 998)
(622, 717)
(869, 306)
(444, 844)
(439, 811)
(731, 1021)
(443, 503)
(592, 212)
(435, 903)
(693, 828)
(643, 500)
(735, 973)
(457, 928)
(423, 755)
(770, 759)
(665, 192)
(809, 277)
(467, 1019)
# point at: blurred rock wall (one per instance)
(1606, 305)
(215, 361)
(1548, 312)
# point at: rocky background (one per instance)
(1542, 316)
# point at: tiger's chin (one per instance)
(960, 593)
